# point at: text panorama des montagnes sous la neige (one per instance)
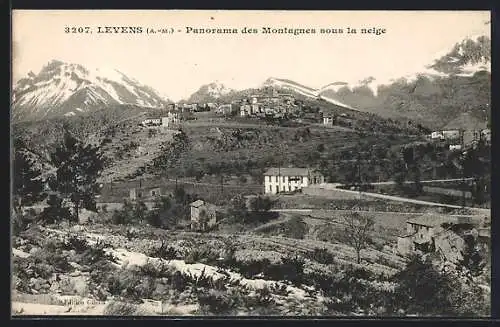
(199, 30)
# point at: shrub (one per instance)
(291, 269)
(253, 267)
(218, 302)
(55, 212)
(179, 282)
(20, 221)
(95, 254)
(204, 255)
(322, 256)
(121, 309)
(164, 252)
(295, 228)
(151, 270)
(76, 243)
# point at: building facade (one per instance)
(421, 231)
(277, 180)
(328, 120)
(203, 215)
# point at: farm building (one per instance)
(145, 193)
(451, 134)
(421, 232)
(278, 180)
(203, 215)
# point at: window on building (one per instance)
(277, 189)
(283, 179)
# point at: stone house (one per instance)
(421, 232)
(203, 215)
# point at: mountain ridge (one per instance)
(66, 89)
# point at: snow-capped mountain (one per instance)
(457, 81)
(210, 93)
(467, 57)
(64, 89)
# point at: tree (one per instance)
(422, 289)
(78, 167)
(238, 211)
(27, 181)
(358, 228)
(260, 209)
(125, 215)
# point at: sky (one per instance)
(177, 64)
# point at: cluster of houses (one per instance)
(205, 215)
(270, 103)
(191, 107)
(458, 138)
(433, 233)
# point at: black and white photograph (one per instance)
(240, 163)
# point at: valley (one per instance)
(279, 200)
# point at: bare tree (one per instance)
(358, 228)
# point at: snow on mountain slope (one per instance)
(66, 89)
(210, 92)
(466, 58)
(303, 90)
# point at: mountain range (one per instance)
(456, 83)
(64, 89)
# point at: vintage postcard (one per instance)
(251, 163)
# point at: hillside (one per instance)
(64, 89)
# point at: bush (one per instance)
(21, 221)
(95, 254)
(151, 270)
(295, 228)
(121, 309)
(322, 256)
(76, 243)
(218, 302)
(164, 252)
(205, 255)
(55, 212)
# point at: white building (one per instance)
(437, 135)
(278, 180)
(245, 110)
(328, 120)
(152, 122)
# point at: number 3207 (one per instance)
(81, 29)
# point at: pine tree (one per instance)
(27, 181)
(78, 167)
